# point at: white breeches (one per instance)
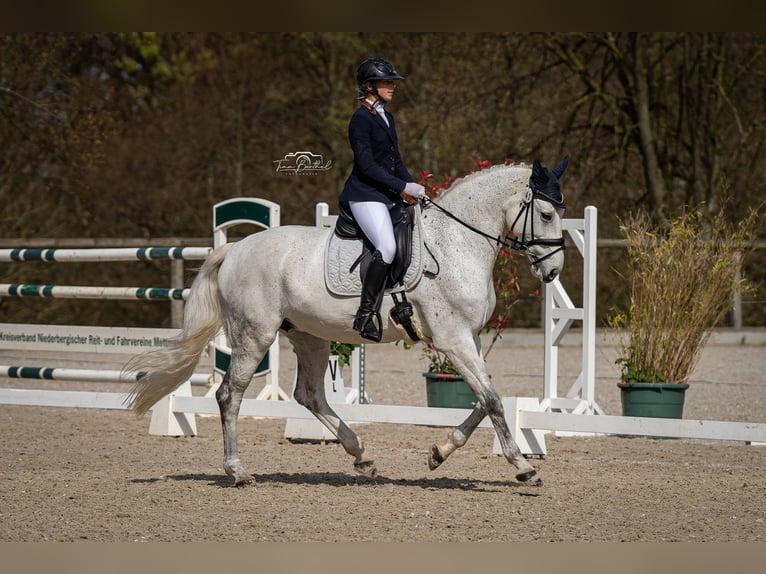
(375, 221)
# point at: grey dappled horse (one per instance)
(273, 282)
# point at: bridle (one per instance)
(526, 210)
(513, 241)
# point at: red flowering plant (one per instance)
(505, 278)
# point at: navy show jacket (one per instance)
(379, 174)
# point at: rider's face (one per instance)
(386, 89)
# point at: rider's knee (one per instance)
(387, 251)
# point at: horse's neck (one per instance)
(481, 200)
(480, 205)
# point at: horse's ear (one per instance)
(558, 171)
(539, 174)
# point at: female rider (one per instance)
(378, 179)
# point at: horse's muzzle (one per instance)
(546, 276)
(551, 275)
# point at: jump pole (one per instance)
(106, 254)
(86, 375)
(86, 292)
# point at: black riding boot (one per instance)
(367, 320)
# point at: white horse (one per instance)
(273, 282)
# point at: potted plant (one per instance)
(445, 387)
(682, 282)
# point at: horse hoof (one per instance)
(243, 481)
(525, 476)
(366, 468)
(434, 458)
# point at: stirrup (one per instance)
(367, 328)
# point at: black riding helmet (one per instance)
(375, 69)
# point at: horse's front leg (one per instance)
(467, 359)
(456, 438)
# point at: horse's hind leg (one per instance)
(229, 396)
(312, 354)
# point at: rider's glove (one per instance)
(414, 190)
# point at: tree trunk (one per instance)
(655, 181)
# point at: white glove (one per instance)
(414, 190)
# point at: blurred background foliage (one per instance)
(137, 135)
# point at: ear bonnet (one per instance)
(545, 183)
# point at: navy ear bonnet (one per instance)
(545, 183)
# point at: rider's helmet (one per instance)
(375, 69)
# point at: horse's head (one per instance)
(535, 221)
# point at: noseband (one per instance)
(512, 241)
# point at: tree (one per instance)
(672, 104)
(52, 127)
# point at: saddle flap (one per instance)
(403, 235)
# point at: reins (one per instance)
(429, 202)
(510, 241)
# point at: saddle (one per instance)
(348, 253)
(403, 220)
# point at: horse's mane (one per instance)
(466, 178)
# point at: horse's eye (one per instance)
(547, 217)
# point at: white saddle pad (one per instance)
(340, 255)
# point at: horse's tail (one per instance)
(162, 371)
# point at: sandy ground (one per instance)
(97, 475)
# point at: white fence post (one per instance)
(559, 314)
(166, 422)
